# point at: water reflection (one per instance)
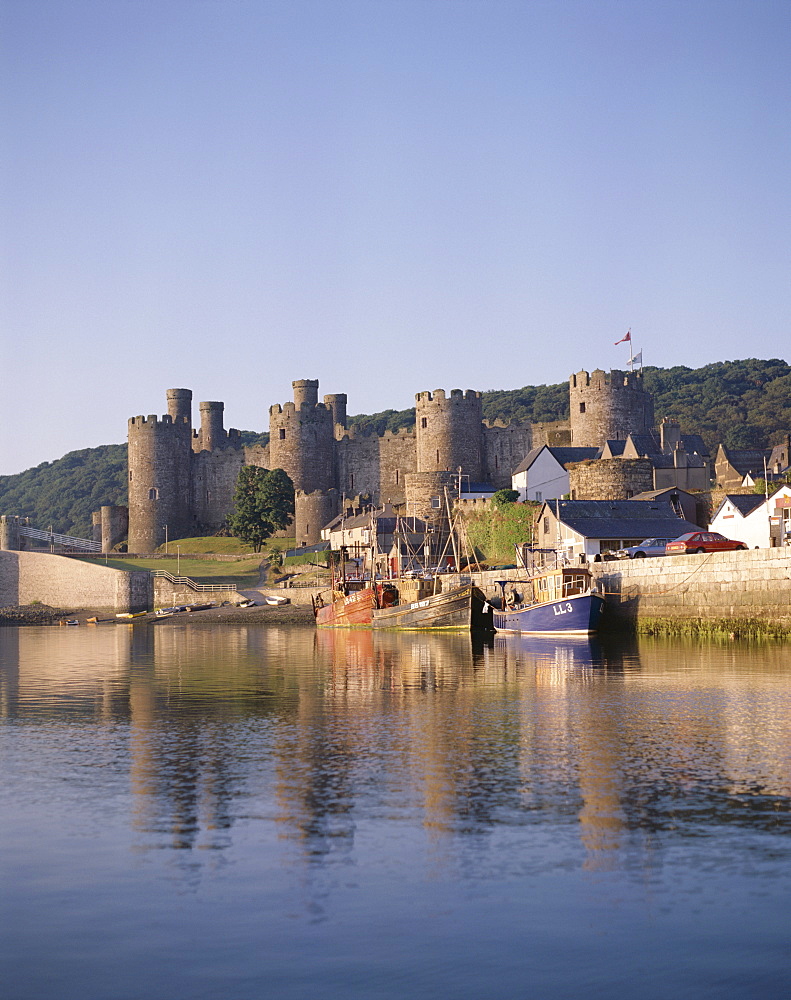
(322, 730)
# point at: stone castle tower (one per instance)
(604, 407)
(179, 478)
(182, 481)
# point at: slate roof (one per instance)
(748, 459)
(650, 445)
(561, 455)
(622, 518)
(745, 503)
(657, 494)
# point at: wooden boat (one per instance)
(131, 614)
(345, 606)
(274, 601)
(559, 601)
(461, 608)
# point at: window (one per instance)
(153, 494)
(130, 475)
(546, 525)
(538, 495)
(396, 477)
(423, 422)
(582, 407)
(208, 497)
(437, 456)
(282, 433)
(435, 503)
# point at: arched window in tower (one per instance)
(282, 433)
(582, 407)
(153, 494)
(423, 422)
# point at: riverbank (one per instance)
(42, 614)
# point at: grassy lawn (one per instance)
(242, 574)
(223, 546)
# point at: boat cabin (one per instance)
(566, 581)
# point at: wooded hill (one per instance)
(744, 404)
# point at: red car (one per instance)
(702, 541)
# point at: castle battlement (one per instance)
(501, 422)
(153, 422)
(599, 379)
(439, 395)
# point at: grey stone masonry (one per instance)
(30, 577)
(748, 584)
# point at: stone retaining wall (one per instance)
(167, 594)
(753, 584)
(29, 577)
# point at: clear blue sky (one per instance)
(388, 195)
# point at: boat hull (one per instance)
(577, 615)
(462, 608)
(346, 612)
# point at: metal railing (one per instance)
(185, 581)
(68, 541)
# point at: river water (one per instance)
(257, 812)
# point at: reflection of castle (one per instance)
(185, 478)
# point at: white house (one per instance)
(542, 474)
(754, 520)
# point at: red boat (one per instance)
(351, 604)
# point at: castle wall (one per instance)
(258, 455)
(358, 464)
(606, 406)
(214, 477)
(397, 459)
(504, 447)
(610, 478)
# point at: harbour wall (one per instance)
(746, 585)
(30, 577)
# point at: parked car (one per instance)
(702, 541)
(648, 547)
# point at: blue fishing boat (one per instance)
(560, 601)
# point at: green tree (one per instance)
(263, 504)
(502, 498)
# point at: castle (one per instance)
(182, 480)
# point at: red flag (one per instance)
(627, 337)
